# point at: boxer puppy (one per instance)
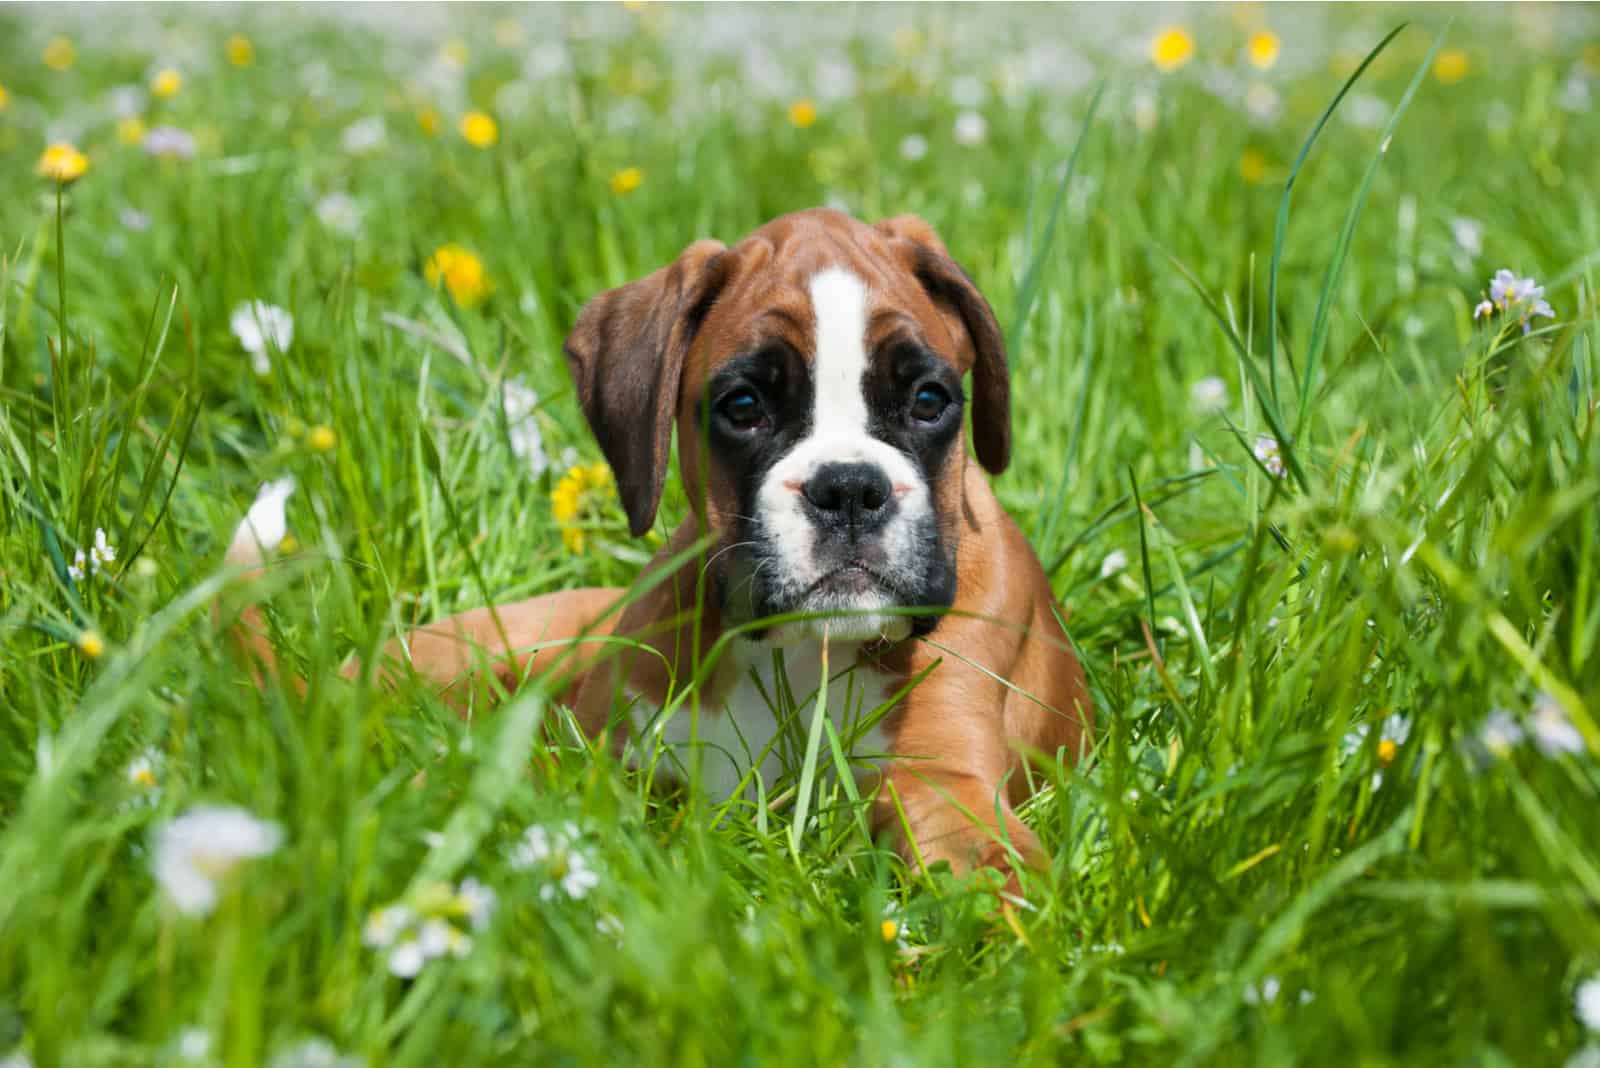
(839, 533)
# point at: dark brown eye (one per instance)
(928, 403)
(742, 409)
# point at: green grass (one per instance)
(1434, 554)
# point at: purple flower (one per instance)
(169, 142)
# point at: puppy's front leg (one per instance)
(948, 779)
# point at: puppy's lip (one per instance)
(854, 573)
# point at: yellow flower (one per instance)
(888, 930)
(1171, 48)
(91, 644)
(322, 438)
(582, 493)
(479, 129)
(5, 98)
(166, 83)
(1253, 166)
(285, 547)
(907, 40)
(428, 119)
(239, 50)
(1262, 49)
(59, 54)
(130, 131)
(461, 272)
(62, 163)
(626, 181)
(455, 50)
(802, 113)
(1451, 65)
(1387, 750)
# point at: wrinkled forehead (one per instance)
(808, 291)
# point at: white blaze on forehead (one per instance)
(839, 301)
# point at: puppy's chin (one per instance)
(856, 616)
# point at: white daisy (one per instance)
(1552, 731)
(195, 852)
(407, 958)
(387, 924)
(144, 771)
(970, 129)
(264, 525)
(1114, 562)
(262, 328)
(1468, 234)
(364, 135)
(1209, 395)
(194, 1044)
(477, 901)
(518, 402)
(1262, 102)
(1586, 1002)
(340, 212)
(1263, 993)
(1500, 733)
(913, 147)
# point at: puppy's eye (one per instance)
(742, 409)
(928, 403)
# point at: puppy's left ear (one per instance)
(950, 288)
(626, 353)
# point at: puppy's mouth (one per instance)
(851, 579)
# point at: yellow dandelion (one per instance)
(626, 181)
(1388, 749)
(5, 98)
(1262, 49)
(1171, 48)
(62, 163)
(888, 930)
(1451, 65)
(322, 438)
(582, 493)
(480, 129)
(166, 83)
(1253, 166)
(59, 54)
(462, 273)
(239, 50)
(91, 644)
(130, 131)
(286, 546)
(803, 113)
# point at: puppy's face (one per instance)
(820, 408)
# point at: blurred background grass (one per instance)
(1303, 839)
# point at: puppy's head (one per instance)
(816, 372)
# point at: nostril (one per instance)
(855, 490)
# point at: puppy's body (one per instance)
(815, 373)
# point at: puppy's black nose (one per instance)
(854, 494)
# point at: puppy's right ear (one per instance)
(627, 353)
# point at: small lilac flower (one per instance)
(1553, 732)
(169, 142)
(1483, 310)
(1519, 297)
(1270, 454)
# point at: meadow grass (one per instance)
(1306, 835)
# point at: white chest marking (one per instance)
(763, 721)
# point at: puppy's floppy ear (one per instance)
(626, 353)
(950, 288)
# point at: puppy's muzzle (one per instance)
(849, 500)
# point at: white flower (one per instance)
(834, 78)
(1587, 1057)
(539, 844)
(436, 937)
(1366, 111)
(169, 142)
(1392, 735)
(518, 402)
(387, 924)
(126, 101)
(914, 147)
(1483, 310)
(314, 1053)
(407, 958)
(364, 135)
(1553, 732)
(1114, 562)
(194, 1044)
(477, 901)
(1521, 298)
(1210, 394)
(134, 219)
(99, 555)
(1500, 733)
(1262, 102)
(194, 852)
(264, 525)
(339, 211)
(609, 926)
(1270, 455)
(1264, 993)
(1586, 1002)
(144, 771)
(1146, 110)
(1468, 234)
(967, 91)
(971, 128)
(261, 327)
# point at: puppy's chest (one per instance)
(765, 699)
